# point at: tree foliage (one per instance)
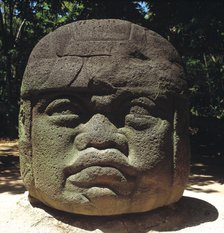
(22, 25)
(125, 9)
(195, 28)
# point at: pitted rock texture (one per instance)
(104, 120)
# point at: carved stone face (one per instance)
(110, 141)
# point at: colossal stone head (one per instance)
(103, 120)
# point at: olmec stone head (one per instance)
(103, 120)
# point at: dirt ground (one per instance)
(205, 189)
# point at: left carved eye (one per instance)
(139, 115)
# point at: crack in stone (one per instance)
(76, 76)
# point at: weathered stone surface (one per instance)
(104, 120)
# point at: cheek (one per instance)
(53, 141)
(151, 146)
(52, 148)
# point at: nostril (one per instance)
(81, 142)
(121, 143)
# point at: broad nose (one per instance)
(99, 132)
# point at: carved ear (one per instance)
(25, 147)
(181, 148)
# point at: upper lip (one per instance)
(104, 158)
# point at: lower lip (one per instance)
(97, 174)
(102, 177)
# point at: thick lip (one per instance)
(103, 177)
(102, 158)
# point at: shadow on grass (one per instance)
(9, 149)
(207, 175)
(10, 179)
(207, 149)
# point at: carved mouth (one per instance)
(102, 168)
(109, 177)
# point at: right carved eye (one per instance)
(63, 112)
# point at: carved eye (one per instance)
(140, 115)
(64, 112)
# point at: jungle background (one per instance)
(194, 27)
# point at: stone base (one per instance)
(30, 218)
